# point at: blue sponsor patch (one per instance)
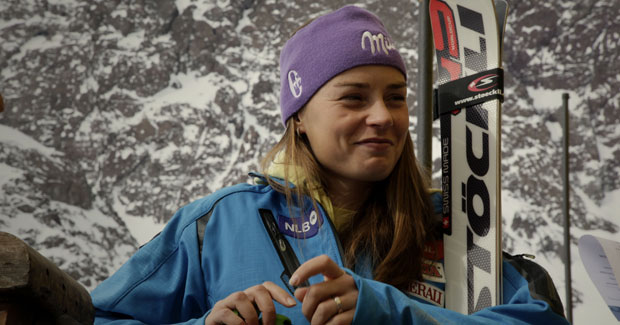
(303, 227)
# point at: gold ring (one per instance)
(338, 303)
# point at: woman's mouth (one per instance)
(376, 143)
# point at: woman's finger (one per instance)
(334, 306)
(344, 318)
(223, 316)
(280, 295)
(264, 303)
(264, 294)
(244, 305)
(330, 308)
(343, 287)
(318, 265)
(300, 293)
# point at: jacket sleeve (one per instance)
(162, 282)
(382, 303)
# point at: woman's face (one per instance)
(357, 123)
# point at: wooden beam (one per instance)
(28, 278)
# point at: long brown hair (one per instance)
(392, 225)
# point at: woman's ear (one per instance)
(299, 125)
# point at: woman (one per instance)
(339, 219)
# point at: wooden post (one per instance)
(35, 291)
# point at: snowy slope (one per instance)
(118, 113)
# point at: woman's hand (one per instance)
(329, 302)
(242, 307)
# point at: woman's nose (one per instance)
(379, 115)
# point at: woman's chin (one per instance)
(375, 173)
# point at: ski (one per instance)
(467, 35)
(501, 12)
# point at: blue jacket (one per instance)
(219, 244)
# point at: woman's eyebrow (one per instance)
(366, 85)
(397, 85)
(352, 84)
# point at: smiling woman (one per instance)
(341, 195)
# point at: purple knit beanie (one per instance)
(331, 44)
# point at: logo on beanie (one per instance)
(294, 83)
(377, 42)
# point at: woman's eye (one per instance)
(397, 98)
(352, 98)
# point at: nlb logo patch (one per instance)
(305, 227)
(294, 83)
(483, 83)
(377, 43)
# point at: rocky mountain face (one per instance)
(117, 113)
